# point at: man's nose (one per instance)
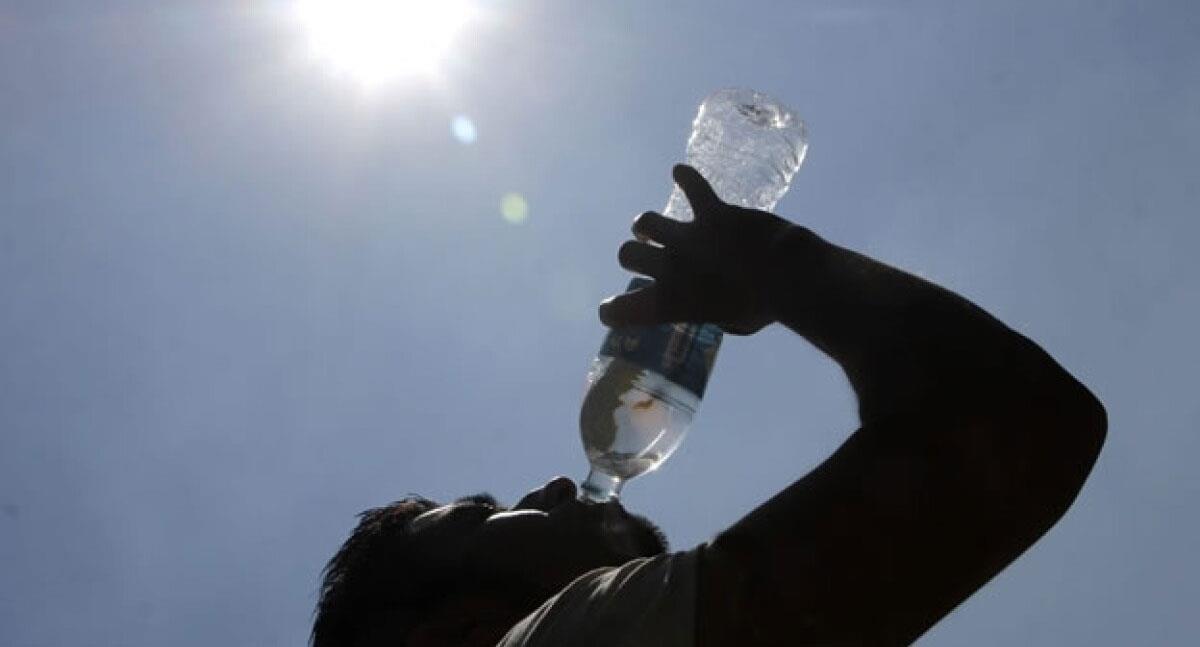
(559, 490)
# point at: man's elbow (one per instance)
(1085, 426)
(1075, 434)
(1092, 428)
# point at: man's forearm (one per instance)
(906, 344)
(973, 443)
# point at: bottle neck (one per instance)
(600, 487)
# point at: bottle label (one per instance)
(683, 352)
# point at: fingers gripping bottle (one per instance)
(646, 382)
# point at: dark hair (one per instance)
(360, 580)
(387, 575)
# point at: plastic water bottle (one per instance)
(646, 382)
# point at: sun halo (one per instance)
(375, 41)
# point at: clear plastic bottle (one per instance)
(646, 382)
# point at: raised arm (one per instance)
(973, 440)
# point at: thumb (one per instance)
(699, 192)
(638, 307)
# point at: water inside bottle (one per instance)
(632, 418)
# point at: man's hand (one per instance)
(714, 269)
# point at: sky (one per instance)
(246, 293)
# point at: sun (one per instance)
(376, 41)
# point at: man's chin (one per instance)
(636, 536)
(628, 536)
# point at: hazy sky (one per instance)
(243, 296)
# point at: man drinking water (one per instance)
(972, 443)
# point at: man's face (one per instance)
(547, 539)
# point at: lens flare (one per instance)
(463, 129)
(514, 208)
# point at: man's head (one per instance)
(416, 573)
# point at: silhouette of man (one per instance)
(973, 443)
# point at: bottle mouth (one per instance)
(599, 487)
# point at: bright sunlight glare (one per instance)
(376, 41)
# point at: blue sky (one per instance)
(244, 298)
